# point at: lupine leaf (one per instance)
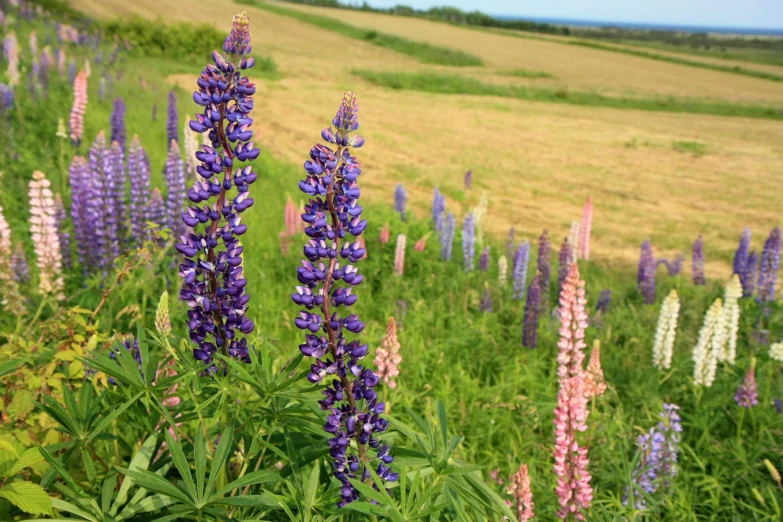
(183, 467)
(219, 460)
(256, 477)
(141, 460)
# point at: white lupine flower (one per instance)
(573, 240)
(502, 270)
(705, 353)
(776, 351)
(44, 235)
(731, 315)
(665, 333)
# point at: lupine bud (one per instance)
(770, 263)
(502, 271)
(521, 260)
(747, 394)
(162, 319)
(666, 331)
(62, 235)
(709, 346)
(484, 260)
(438, 209)
(585, 229)
(10, 296)
(544, 268)
(741, 258)
(400, 201)
(44, 235)
(139, 174)
(468, 180)
(532, 307)
(645, 275)
(468, 241)
(731, 313)
(172, 125)
(447, 237)
(564, 264)
(387, 356)
(486, 300)
(399, 255)
(697, 266)
(519, 488)
(594, 384)
(291, 218)
(19, 266)
(175, 198)
(76, 120)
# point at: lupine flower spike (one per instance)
(334, 214)
(645, 275)
(162, 318)
(421, 244)
(750, 281)
(175, 198)
(76, 120)
(486, 300)
(387, 356)
(741, 256)
(709, 346)
(447, 237)
(731, 313)
(502, 271)
(44, 235)
(291, 218)
(469, 180)
(190, 140)
(484, 260)
(604, 300)
(385, 234)
(665, 332)
(214, 280)
(438, 209)
(532, 308)
(139, 175)
(770, 263)
(63, 236)
(519, 488)
(400, 200)
(10, 296)
(468, 242)
(118, 132)
(19, 265)
(573, 322)
(697, 266)
(544, 268)
(172, 122)
(747, 394)
(573, 240)
(521, 260)
(585, 229)
(399, 255)
(776, 351)
(595, 384)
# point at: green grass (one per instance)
(766, 57)
(456, 84)
(527, 73)
(690, 147)
(423, 52)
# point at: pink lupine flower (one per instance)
(421, 244)
(399, 255)
(519, 488)
(573, 321)
(585, 229)
(76, 120)
(291, 218)
(595, 385)
(10, 296)
(385, 234)
(387, 356)
(44, 235)
(573, 479)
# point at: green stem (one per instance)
(739, 426)
(223, 477)
(34, 319)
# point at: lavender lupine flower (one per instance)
(468, 242)
(400, 200)
(564, 264)
(333, 212)
(468, 180)
(100, 206)
(6, 99)
(658, 452)
(175, 198)
(544, 269)
(81, 193)
(747, 394)
(770, 263)
(484, 260)
(19, 266)
(214, 282)
(172, 126)
(438, 208)
(532, 307)
(697, 266)
(63, 236)
(155, 211)
(71, 71)
(139, 174)
(741, 256)
(447, 237)
(116, 195)
(117, 120)
(521, 260)
(604, 299)
(486, 300)
(753, 265)
(645, 274)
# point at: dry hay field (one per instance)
(536, 161)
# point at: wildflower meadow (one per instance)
(193, 328)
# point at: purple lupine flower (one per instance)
(770, 263)
(175, 199)
(71, 71)
(214, 280)
(6, 99)
(486, 300)
(116, 196)
(117, 120)
(354, 411)
(172, 121)
(438, 208)
(532, 307)
(645, 275)
(657, 457)
(155, 211)
(604, 299)
(139, 175)
(468, 241)
(521, 261)
(778, 406)
(510, 243)
(564, 264)
(63, 237)
(81, 193)
(753, 265)
(544, 269)
(400, 200)
(697, 266)
(484, 260)
(99, 209)
(468, 180)
(19, 267)
(447, 237)
(747, 394)
(154, 112)
(741, 256)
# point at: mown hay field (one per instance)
(670, 176)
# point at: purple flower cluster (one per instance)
(645, 274)
(770, 263)
(741, 256)
(484, 260)
(521, 261)
(214, 280)
(486, 300)
(747, 394)
(697, 265)
(447, 237)
(532, 307)
(400, 200)
(544, 268)
(19, 267)
(438, 209)
(469, 242)
(172, 121)
(469, 180)
(333, 212)
(657, 456)
(604, 299)
(673, 268)
(117, 120)
(750, 282)
(139, 175)
(564, 264)
(63, 237)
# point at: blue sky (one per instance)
(726, 13)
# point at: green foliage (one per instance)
(527, 73)
(456, 84)
(690, 147)
(423, 52)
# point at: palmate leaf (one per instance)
(181, 463)
(30, 498)
(158, 484)
(255, 477)
(141, 460)
(220, 458)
